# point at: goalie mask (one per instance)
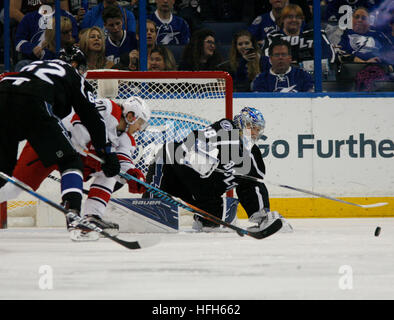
(251, 124)
(140, 110)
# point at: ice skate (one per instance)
(109, 227)
(79, 232)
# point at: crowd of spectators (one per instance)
(273, 50)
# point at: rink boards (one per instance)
(336, 146)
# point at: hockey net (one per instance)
(180, 102)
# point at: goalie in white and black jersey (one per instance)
(187, 170)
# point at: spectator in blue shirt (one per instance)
(118, 41)
(29, 35)
(267, 22)
(335, 8)
(94, 16)
(171, 29)
(282, 77)
(364, 44)
(302, 42)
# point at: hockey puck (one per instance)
(377, 231)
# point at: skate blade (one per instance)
(78, 235)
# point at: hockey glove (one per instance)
(111, 166)
(134, 186)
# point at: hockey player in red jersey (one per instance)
(121, 123)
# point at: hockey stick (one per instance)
(270, 230)
(258, 180)
(75, 217)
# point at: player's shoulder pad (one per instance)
(224, 124)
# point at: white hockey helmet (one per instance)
(140, 110)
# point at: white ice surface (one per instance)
(305, 264)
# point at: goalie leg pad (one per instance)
(143, 215)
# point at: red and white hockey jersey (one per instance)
(122, 142)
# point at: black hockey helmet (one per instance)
(74, 54)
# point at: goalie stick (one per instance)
(270, 230)
(258, 180)
(81, 221)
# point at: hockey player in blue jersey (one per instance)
(118, 41)
(282, 77)
(171, 29)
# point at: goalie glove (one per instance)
(134, 186)
(202, 158)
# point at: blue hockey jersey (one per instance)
(175, 31)
(94, 18)
(333, 7)
(294, 80)
(113, 51)
(263, 25)
(302, 45)
(31, 31)
(368, 45)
